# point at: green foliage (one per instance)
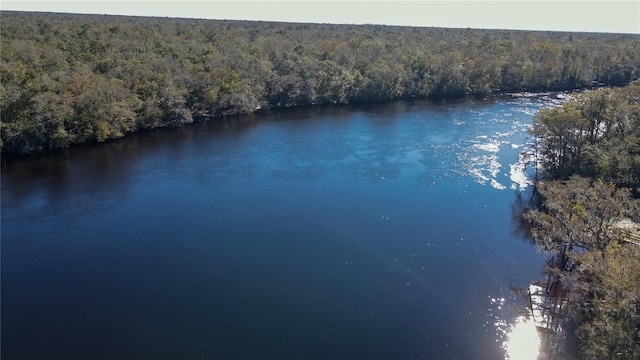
(604, 289)
(100, 77)
(579, 212)
(596, 135)
(605, 303)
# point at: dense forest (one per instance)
(589, 191)
(71, 79)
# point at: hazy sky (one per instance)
(567, 15)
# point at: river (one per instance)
(362, 232)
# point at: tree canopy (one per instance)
(596, 134)
(580, 212)
(69, 79)
(589, 153)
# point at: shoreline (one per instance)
(6, 158)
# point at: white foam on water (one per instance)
(503, 134)
(517, 173)
(495, 184)
(478, 176)
(480, 157)
(518, 177)
(493, 146)
(484, 168)
(494, 166)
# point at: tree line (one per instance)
(70, 79)
(589, 191)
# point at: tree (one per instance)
(560, 133)
(49, 111)
(172, 103)
(595, 134)
(211, 68)
(579, 212)
(605, 303)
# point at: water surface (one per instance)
(373, 232)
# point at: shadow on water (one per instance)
(88, 168)
(95, 165)
(524, 339)
(56, 174)
(522, 228)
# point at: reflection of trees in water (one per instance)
(521, 204)
(71, 171)
(552, 344)
(90, 168)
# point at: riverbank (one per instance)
(240, 121)
(74, 79)
(588, 218)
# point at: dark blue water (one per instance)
(379, 232)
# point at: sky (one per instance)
(564, 15)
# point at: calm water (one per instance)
(379, 232)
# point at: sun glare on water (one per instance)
(523, 342)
